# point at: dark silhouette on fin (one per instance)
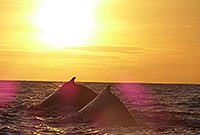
(72, 80)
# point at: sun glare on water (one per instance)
(65, 23)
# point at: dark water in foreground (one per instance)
(158, 109)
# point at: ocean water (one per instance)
(159, 109)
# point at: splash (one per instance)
(8, 92)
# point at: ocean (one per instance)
(159, 109)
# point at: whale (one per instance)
(107, 110)
(70, 95)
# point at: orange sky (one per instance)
(102, 40)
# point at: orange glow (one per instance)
(100, 40)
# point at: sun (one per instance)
(66, 23)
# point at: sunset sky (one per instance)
(100, 40)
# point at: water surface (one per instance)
(158, 109)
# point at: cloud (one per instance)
(100, 57)
(3, 45)
(108, 49)
(67, 54)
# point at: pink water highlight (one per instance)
(137, 94)
(138, 97)
(8, 92)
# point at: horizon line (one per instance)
(80, 81)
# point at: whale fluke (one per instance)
(107, 109)
(70, 95)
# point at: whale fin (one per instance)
(72, 80)
(107, 90)
(69, 94)
(107, 110)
